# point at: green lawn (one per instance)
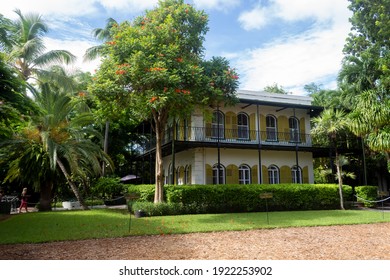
(102, 223)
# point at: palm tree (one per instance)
(103, 35)
(27, 51)
(329, 124)
(58, 141)
(370, 120)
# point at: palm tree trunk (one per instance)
(45, 196)
(72, 185)
(340, 180)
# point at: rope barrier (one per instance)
(375, 201)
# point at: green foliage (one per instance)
(196, 199)
(106, 187)
(367, 193)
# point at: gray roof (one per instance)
(262, 97)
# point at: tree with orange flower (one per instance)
(165, 74)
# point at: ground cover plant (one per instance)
(40, 227)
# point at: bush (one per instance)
(196, 199)
(368, 194)
(107, 188)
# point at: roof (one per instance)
(277, 99)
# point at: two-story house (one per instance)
(265, 138)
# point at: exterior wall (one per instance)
(201, 161)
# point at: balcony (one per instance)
(211, 135)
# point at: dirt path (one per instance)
(352, 242)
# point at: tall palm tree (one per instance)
(103, 35)
(58, 141)
(28, 52)
(329, 124)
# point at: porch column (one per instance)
(260, 168)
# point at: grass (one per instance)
(105, 223)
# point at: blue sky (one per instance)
(288, 42)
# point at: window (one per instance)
(243, 126)
(296, 174)
(244, 174)
(271, 128)
(273, 174)
(218, 122)
(294, 129)
(218, 174)
(187, 175)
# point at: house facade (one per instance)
(263, 139)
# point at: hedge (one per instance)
(368, 194)
(195, 199)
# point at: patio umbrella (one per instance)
(128, 178)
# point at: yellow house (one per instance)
(263, 139)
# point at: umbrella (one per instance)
(129, 177)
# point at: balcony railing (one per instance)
(238, 136)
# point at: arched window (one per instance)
(218, 122)
(218, 174)
(244, 174)
(293, 124)
(187, 175)
(296, 174)
(273, 174)
(271, 128)
(243, 126)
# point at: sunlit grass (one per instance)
(105, 223)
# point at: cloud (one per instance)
(292, 62)
(295, 59)
(254, 19)
(52, 8)
(77, 48)
(220, 5)
(320, 11)
(129, 6)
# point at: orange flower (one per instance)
(81, 94)
(120, 72)
(177, 90)
(154, 98)
(179, 59)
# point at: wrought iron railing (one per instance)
(239, 136)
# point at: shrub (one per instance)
(368, 194)
(196, 199)
(107, 188)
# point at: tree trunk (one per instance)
(72, 186)
(45, 196)
(158, 194)
(160, 121)
(105, 146)
(340, 180)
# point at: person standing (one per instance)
(24, 198)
